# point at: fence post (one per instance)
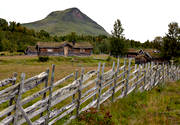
(155, 75)
(18, 99)
(113, 70)
(168, 78)
(124, 75)
(135, 68)
(159, 73)
(79, 93)
(115, 80)
(73, 96)
(163, 74)
(148, 75)
(13, 83)
(170, 72)
(138, 73)
(151, 74)
(176, 72)
(76, 76)
(145, 73)
(127, 77)
(50, 95)
(97, 81)
(100, 85)
(45, 86)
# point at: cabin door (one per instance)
(66, 51)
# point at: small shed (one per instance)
(149, 55)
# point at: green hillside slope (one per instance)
(67, 21)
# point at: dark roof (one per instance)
(83, 45)
(132, 50)
(151, 53)
(49, 44)
(62, 44)
(154, 53)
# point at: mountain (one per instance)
(67, 21)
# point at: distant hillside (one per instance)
(67, 21)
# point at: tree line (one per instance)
(15, 37)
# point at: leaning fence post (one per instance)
(97, 81)
(124, 75)
(76, 76)
(155, 75)
(115, 80)
(45, 86)
(135, 67)
(100, 85)
(79, 93)
(50, 95)
(18, 99)
(127, 77)
(13, 83)
(113, 71)
(73, 96)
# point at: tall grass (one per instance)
(160, 106)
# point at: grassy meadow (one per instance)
(30, 65)
(160, 106)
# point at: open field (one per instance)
(160, 106)
(31, 66)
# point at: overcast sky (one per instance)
(142, 19)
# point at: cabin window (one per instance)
(49, 50)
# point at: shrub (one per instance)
(109, 59)
(92, 117)
(43, 58)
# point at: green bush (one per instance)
(43, 58)
(109, 59)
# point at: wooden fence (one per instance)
(51, 103)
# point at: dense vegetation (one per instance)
(14, 38)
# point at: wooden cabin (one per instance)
(149, 55)
(64, 48)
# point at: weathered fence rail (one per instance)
(50, 103)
